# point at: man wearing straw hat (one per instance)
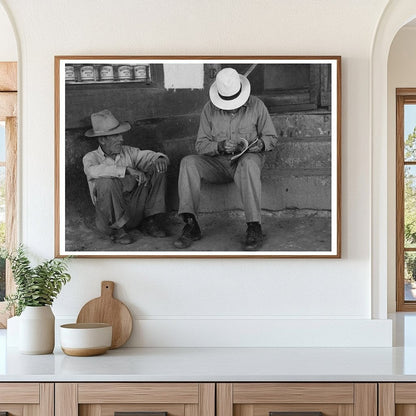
(127, 185)
(231, 121)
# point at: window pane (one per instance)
(2, 230)
(2, 141)
(2, 208)
(410, 275)
(410, 206)
(410, 132)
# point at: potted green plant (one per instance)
(36, 289)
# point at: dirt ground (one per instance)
(224, 231)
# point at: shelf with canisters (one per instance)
(84, 74)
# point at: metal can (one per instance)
(140, 73)
(107, 73)
(69, 73)
(125, 73)
(87, 73)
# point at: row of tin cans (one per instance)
(106, 72)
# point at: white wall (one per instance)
(8, 46)
(401, 74)
(203, 302)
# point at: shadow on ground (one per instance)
(224, 231)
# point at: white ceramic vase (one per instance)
(37, 330)
(12, 334)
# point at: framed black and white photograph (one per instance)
(198, 156)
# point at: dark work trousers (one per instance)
(122, 202)
(245, 173)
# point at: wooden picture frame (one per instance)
(162, 99)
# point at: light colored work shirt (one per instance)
(252, 120)
(98, 165)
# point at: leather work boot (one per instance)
(191, 232)
(120, 236)
(254, 236)
(152, 228)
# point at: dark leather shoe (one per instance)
(152, 228)
(120, 236)
(190, 233)
(254, 236)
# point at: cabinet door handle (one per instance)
(295, 413)
(139, 414)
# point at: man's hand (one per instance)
(258, 147)
(161, 165)
(140, 176)
(227, 146)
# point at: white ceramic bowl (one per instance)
(83, 340)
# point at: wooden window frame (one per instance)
(8, 113)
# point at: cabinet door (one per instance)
(297, 399)
(26, 399)
(397, 399)
(142, 399)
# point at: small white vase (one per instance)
(12, 334)
(37, 330)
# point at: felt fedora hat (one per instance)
(105, 124)
(230, 89)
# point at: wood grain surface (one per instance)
(252, 393)
(170, 393)
(84, 352)
(109, 310)
(8, 76)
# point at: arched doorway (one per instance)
(396, 15)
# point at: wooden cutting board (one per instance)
(108, 310)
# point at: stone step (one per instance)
(300, 123)
(306, 153)
(297, 96)
(290, 153)
(303, 124)
(297, 175)
(285, 189)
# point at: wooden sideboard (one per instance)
(208, 399)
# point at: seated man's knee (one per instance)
(189, 161)
(106, 184)
(250, 160)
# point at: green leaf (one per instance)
(35, 286)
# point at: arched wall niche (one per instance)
(396, 15)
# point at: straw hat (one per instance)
(230, 89)
(105, 124)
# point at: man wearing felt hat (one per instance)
(127, 185)
(231, 121)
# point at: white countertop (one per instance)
(215, 364)
(221, 364)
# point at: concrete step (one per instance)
(297, 96)
(282, 190)
(295, 153)
(303, 124)
(283, 102)
(290, 153)
(300, 123)
(297, 175)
